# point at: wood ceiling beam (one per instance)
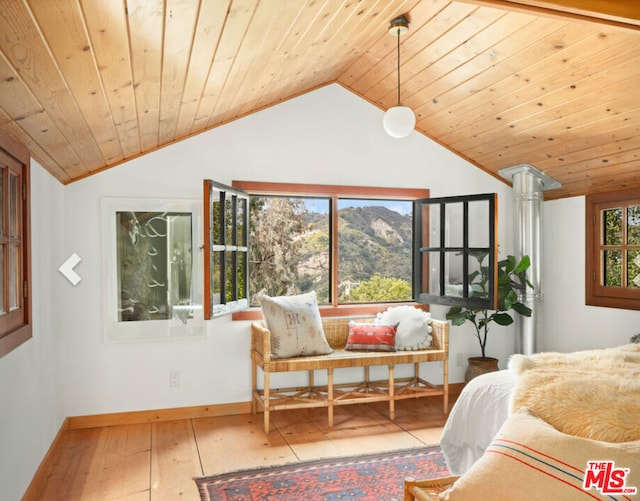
(621, 13)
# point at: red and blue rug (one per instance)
(376, 477)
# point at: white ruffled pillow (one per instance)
(414, 327)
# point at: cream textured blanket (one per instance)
(591, 394)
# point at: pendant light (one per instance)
(399, 120)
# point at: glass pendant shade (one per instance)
(399, 121)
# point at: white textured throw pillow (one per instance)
(414, 326)
(295, 325)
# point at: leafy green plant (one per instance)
(512, 280)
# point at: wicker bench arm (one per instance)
(261, 340)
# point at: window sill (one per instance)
(351, 310)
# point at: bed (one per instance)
(546, 384)
(478, 414)
(552, 426)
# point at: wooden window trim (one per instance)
(595, 293)
(14, 336)
(333, 191)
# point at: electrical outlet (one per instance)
(458, 359)
(174, 379)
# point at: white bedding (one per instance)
(479, 411)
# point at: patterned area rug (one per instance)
(377, 477)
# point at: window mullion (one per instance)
(465, 251)
(333, 249)
(443, 245)
(624, 250)
(6, 277)
(6, 241)
(223, 242)
(234, 241)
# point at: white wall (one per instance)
(567, 323)
(31, 406)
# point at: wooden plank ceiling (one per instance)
(88, 84)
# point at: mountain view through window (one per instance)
(290, 248)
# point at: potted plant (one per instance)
(512, 281)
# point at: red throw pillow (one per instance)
(371, 337)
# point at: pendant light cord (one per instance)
(399, 67)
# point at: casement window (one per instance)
(356, 247)
(612, 261)
(15, 255)
(456, 251)
(225, 249)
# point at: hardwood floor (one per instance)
(158, 461)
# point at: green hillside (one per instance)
(373, 240)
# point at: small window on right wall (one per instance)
(613, 249)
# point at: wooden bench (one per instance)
(336, 331)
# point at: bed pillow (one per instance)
(295, 325)
(371, 337)
(414, 326)
(529, 459)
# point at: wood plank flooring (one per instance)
(158, 461)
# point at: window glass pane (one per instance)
(633, 225)
(375, 239)
(612, 268)
(216, 222)
(14, 204)
(241, 211)
(434, 272)
(454, 230)
(242, 264)
(612, 226)
(229, 219)
(216, 278)
(230, 277)
(180, 264)
(14, 277)
(478, 274)
(431, 213)
(633, 269)
(289, 246)
(453, 285)
(479, 223)
(154, 260)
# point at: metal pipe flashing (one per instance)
(529, 185)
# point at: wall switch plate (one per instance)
(174, 379)
(458, 359)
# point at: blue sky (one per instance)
(322, 205)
